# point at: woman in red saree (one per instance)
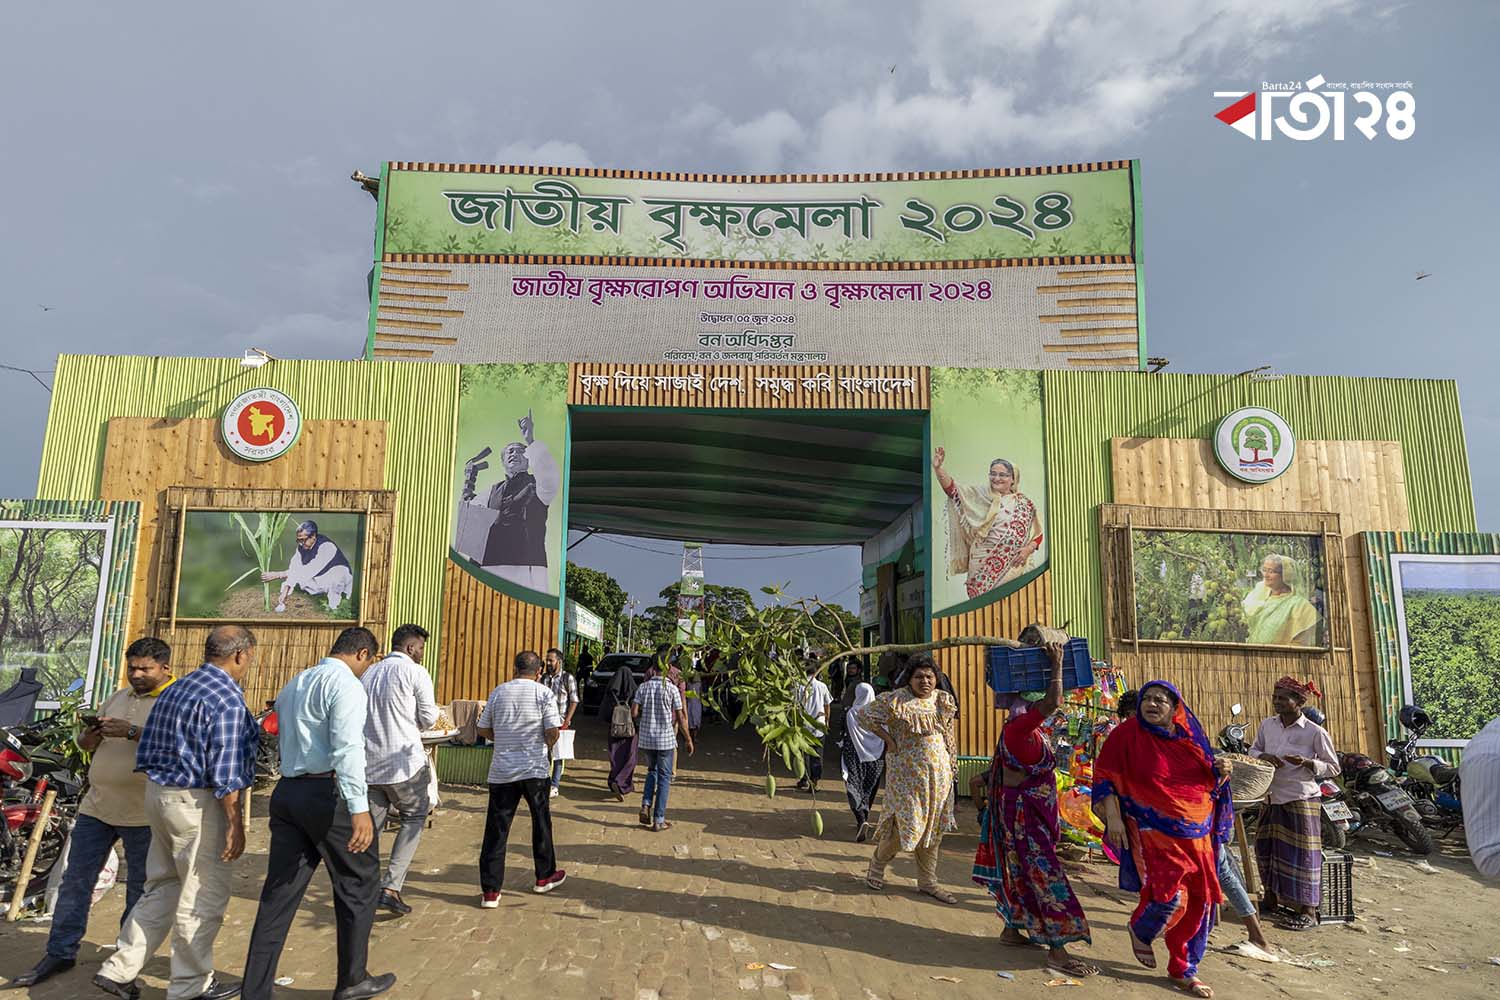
(1164, 802)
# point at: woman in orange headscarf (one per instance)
(1165, 803)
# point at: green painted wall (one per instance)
(418, 402)
(1082, 411)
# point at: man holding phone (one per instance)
(114, 808)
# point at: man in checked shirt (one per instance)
(197, 750)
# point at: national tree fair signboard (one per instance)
(1026, 268)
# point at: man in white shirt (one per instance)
(522, 721)
(396, 767)
(816, 702)
(564, 686)
(1479, 776)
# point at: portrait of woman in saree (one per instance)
(1229, 587)
(994, 531)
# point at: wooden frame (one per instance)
(364, 553)
(1213, 675)
(283, 647)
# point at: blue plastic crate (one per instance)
(1011, 671)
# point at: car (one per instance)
(591, 695)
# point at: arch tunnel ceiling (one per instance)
(752, 477)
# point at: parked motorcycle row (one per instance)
(1412, 797)
(34, 760)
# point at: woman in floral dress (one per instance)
(994, 530)
(916, 723)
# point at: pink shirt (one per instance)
(1301, 739)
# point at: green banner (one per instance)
(1086, 212)
(989, 488)
(509, 485)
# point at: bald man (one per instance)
(197, 751)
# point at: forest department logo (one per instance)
(1254, 444)
(261, 424)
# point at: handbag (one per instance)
(621, 725)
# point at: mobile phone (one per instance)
(92, 721)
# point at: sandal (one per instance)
(1142, 952)
(645, 818)
(659, 827)
(1195, 986)
(1297, 921)
(1073, 966)
(875, 882)
(941, 895)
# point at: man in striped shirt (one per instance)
(197, 750)
(401, 706)
(659, 713)
(522, 720)
(1479, 775)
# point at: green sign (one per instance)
(971, 216)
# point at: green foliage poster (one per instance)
(989, 486)
(1208, 586)
(509, 484)
(51, 594)
(1449, 619)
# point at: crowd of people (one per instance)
(174, 759)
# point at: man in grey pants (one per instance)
(396, 768)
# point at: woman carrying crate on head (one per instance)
(1019, 830)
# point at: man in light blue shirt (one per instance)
(319, 810)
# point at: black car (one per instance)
(592, 694)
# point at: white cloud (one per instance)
(1002, 82)
(551, 153)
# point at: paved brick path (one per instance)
(740, 882)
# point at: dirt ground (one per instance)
(739, 883)
(249, 603)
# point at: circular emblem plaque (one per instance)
(261, 424)
(1254, 444)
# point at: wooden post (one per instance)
(1247, 860)
(18, 900)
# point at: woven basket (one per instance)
(1250, 779)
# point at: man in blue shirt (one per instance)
(320, 810)
(197, 750)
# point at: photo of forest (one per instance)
(1451, 608)
(50, 582)
(1225, 587)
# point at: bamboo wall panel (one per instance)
(282, 648)
(979, 721)
(739, 386)
(1213, 678)
(485, 629)
(1364, 482)
(1084, 411)
(417, 404)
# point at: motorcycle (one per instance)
(29, 767)
(1378, 800)
(268, 750)
(1431, 781)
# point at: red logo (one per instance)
(261, 423)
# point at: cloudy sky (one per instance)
(177, 172)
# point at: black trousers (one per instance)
(310, 823)
(497, 821)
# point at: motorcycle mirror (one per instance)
(1236, 708)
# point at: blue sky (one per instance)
(1443, 575)
(175, 176)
